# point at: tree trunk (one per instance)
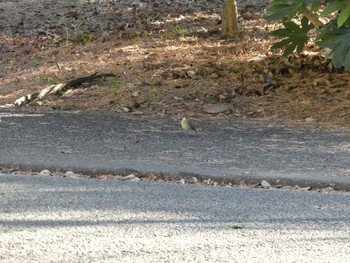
(229, 18)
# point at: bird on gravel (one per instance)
(187, 124)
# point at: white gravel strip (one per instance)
(55, 219)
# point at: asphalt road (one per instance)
(56, 219)
(226, 149)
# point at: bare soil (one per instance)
(170, 58)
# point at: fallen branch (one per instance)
(57, 88)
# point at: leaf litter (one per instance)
(169, 58)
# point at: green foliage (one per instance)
(286, 10)
(338, 39)
(283, 9)
(115, 84)
(295, 36)
(81, 38)
(152, 94)
(335, 35)
(181, 30)
(315, 5)
(343, 6)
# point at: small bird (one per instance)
(187, 125)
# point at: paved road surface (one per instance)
(56, 219)
(227, 149)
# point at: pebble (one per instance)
(104, 177)
(192, 180)
(45, 172)
(129, 177)
(264, 184)
(217, 108)
(206, 181)
(71, 174)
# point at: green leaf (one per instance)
(283, 9)
(341, 6)
(295, 36)
(333, 6)
(344, 15)
(288, 9)
(315, 5)
(280, 44)
(337, 39)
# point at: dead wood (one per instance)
(59, 88)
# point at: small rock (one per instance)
(135, 94)
(217, 108)
(309, 119)
(263, 184)
(125, 109)
(71, 174)
(45, 172)
(104, 177)
(206, 181)
(182, 181)
(192, 180)
(327, 189)
(129, 177)
(304, 188)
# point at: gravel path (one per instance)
(56, 219)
